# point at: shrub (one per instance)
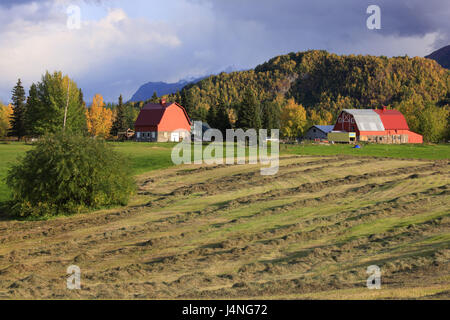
(68, 174)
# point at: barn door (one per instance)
(175, 137)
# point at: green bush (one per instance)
(66, 174)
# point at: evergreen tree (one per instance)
(154, 98)
(249, 113)
(32, 110)
(211, 118)
(270, 115)
(18, 128)
(222, 118)
(83, 126)
(177, 97)
(199, 114)
(120, 122)
(187, 101)
(131, 114)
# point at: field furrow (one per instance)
(226, 231)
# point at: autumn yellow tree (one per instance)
(293, 119)
(99, 119)
(5, 118)
(323, 117)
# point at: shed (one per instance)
(318, 132)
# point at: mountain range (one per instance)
(441, 56)
(146, 91)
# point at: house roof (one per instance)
(325, 129)
(366, 119)
(392, 119)
(152, 113)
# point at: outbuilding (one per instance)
(318, 132)
(162, 122)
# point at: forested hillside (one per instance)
(325, 83)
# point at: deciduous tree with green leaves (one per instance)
(67, 173)
(434, 122)
(47, 102)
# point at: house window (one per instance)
(153, 134)
(138, 134)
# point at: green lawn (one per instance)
(144, 157)
(420, 151)
(8, 155)
(151, 156)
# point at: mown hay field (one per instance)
(145, 157)
(227, 232)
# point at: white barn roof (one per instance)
(366, 119)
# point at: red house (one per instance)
(380, 125)
(162, 122)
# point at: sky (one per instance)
(122, 44)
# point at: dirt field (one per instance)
(223, 232)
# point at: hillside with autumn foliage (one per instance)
(324, 83)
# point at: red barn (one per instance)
(380, 125)
(162, 122)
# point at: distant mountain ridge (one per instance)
(146, 91)
(441, 56)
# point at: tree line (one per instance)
(56, 104)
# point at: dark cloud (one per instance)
(416, 18)
(216, 34)
(10, 3)
(346, 19)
